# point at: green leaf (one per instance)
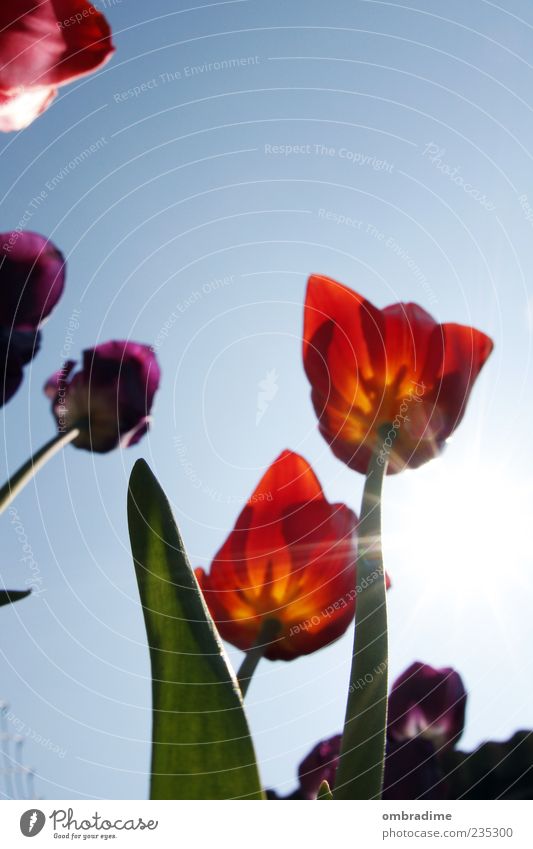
(325, 791)
(201, 744)
(10, 596)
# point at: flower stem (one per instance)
(26, 472)
(269, 629)
(360, 772)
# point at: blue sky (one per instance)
(238, 147)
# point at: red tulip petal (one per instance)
(319, 533)
(257, 546)
(50, 42)
(466, 351)
(45, 44)
(409, 330)
(345, 361)
(19, 109)
(289, 480)
(343, 339)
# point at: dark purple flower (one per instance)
(32, 278)
(429, 703)
(412, 770)
(426, 713)
(319, 765)
(110, 399)
(17, 347)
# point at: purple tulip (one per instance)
(17, 347)
(32, 278)
(319, 765)
(426, 712)
(412, 771)
(110, 399)
(429, 703)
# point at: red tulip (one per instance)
(110, 399)
(429, 703)
(393, 380)
(290, 558)
(45, 44)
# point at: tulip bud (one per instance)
(412, 770)
(32, 278)
(17, 347)
(319, 765)
(110, 399)
(429, 703)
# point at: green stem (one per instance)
(26, 472)
(268, 631)
(360, 773)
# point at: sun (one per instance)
(470, 523)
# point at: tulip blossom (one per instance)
(319, 765)
(391, 381)
(45, 44)
(412, 771)
(110, 399)
(17, 349)
(429, 703)
(32, 279)
(290, 559)
(426, 714)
